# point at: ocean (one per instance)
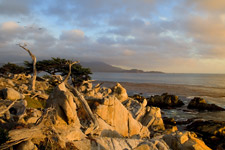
(211, 87)
(209, 80)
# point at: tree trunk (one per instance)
(33, 57)
(81, 98)
(84, 105)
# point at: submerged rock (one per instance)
(212, 132)
(201, 105)
(165, 101)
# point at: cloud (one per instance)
(17, 8)
(208, 5)
(145, 34)
(72, 35)
(9, 26)
(128, 52)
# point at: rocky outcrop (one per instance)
(138, 97)
(21, 76)
(184, 140)
(16, 111)
(152, 119)
(147, 116)
(201, 105)
(41, 85)
(165, 101)
(212, 132)
(170, 124)
(119, 144)
(135, 107)
(112, 111)
(11, 94)
(63, 101)
(28, 145)
(120, 92)
(123, 122)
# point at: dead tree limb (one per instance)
(81, 98)
(33, 57)
(70, 66)
(6, 109)
(84, 105)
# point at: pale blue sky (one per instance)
(171, 36)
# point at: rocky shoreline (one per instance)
(59, 116)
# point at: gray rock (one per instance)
(26, 145)
(11, 94)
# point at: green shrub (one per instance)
(33, 103)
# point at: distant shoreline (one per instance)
(128, 71)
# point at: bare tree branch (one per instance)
(34, 65)
(70, 66)
(84, 104)
(3, 111)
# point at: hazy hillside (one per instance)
(103, 67)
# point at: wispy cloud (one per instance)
(178, 36)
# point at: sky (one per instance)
(174, 36)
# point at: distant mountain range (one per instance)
(103, 67)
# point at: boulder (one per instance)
(32, 115)
(10, 82)
(119, 144)
(133, 106)
(11, 94)
(120, 92)
(19, 108)
(104, 130)
(21, 76)
(212, 132)
(6, 114)
(86, 86)
(147, 116)
(170, 125)
(153, 145)
(184, 141)
(23, 87)
(105, 91)
(165, 101)
(152, 119)
(26, 145)
(41, 85)
(201, 105)
(63, 101)
(138, 97)
(112, 111)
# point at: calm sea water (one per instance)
(209, 80)
(206, 80)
